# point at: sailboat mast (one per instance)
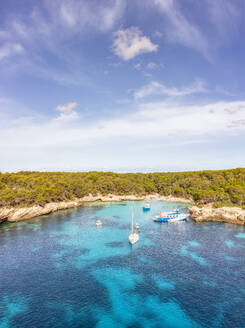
(133, 217)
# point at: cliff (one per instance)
(233, 215)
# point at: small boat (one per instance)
(137, 227)
(171, 217)
(133, 236)
(98, 223)
(146, 207)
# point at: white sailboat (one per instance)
(133, 236)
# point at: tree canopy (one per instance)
(222, 187)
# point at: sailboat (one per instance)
(133, 236)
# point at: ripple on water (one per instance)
(185, 251)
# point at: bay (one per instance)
(61, 270)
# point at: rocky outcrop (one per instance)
(5, 213)
(15, 214)
(24, 213)
(233, 215)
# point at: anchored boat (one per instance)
(133, 236)
(98, 223)
(137, 227)
(174, 216)
(146, 207)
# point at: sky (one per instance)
(121, 85)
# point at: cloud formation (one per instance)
(67, 111)
(9, 49)
(55, 145)
(43, 30)
(157, 118)
(83, 14)
(131, 42)
(155, 88)
(179, 29)
(234, 109)
(151, 65)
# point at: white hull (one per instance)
(98, 223)
(176, 220)
(133, 238)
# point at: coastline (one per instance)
(207, 213)
(16, 214)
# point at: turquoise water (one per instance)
(61, 270)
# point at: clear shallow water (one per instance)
(62, 271)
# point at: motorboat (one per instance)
(173, 216)
(146, 207)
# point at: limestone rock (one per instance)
(233, 215)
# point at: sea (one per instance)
(62, 271)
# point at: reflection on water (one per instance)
(60, 270)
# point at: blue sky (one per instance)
(144, 85)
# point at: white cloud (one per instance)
(158, 119)
(159, 124)
(48, 27)
(148, 75)
(67, 111)
(67, 108)
(180, 29)
(234, 109)
(137, 66)
(9, 49)
(220, 23)
(131, 42)
(151, 65)
(156, 88)
(225, 17)
(83, 14)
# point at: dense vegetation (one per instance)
(224, 187)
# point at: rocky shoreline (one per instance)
(15, 214)
(234, 215)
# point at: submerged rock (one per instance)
(233, 215)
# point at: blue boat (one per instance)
(147, 207)
(173, 216)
